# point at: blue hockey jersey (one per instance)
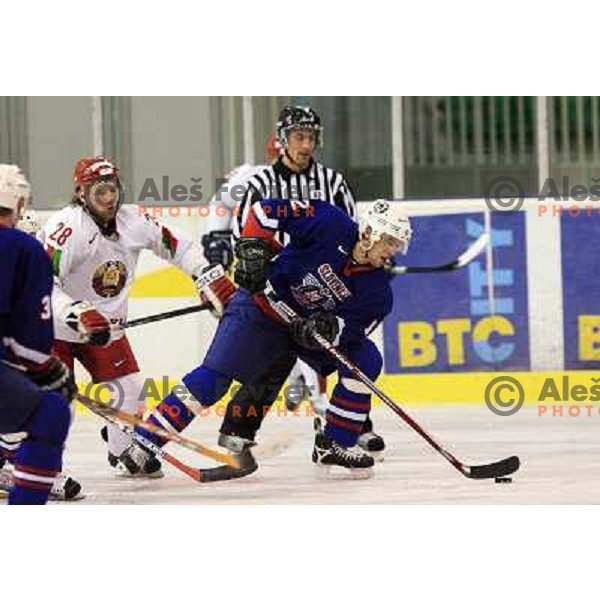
(315, 272)
(26, 326)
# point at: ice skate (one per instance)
(333, 459)
(136, 462)
(373, 444)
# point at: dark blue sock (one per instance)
(39, 458)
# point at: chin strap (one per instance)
(366, 248)
(288, 156)
(108, 229)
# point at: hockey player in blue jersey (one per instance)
(35, 388)
(331, 274)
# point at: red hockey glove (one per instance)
(215, 288)
(92, 326)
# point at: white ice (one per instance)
(560, 463)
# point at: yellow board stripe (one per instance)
(169, 282)
(439, 388)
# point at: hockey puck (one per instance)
(503, 480)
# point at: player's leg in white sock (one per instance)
(314, 386)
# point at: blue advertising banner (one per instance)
(580, 240)
(445, 322)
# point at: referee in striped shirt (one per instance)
(294, 176)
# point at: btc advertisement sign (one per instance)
(580, 240)
(456, 321)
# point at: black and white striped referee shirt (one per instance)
(278, 182)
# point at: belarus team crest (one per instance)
(110, 278)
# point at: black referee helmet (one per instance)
(298, 117)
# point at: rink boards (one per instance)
(578, 392)
(530, 302)
(529, 305)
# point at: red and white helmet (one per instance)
(387, 217)
(15, 191)
(90, 176)
(91, 169)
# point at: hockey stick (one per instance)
(249, 460)
(142, 441)
(500, 468)
(171, 314)
(463, 260)
(472, 252)
(103, 410)
(193, 472)
(212, 274)
(198, 475)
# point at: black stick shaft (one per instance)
(288, 313)
(171, 314)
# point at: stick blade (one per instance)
(502, 468)
(468, 255)
(225, 473)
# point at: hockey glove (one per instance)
(54, 376)
(302, 329)
(254, 256)
(215, 288)
(218, 248)
(91, 325)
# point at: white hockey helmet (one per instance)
(387, 217)
(14, 187)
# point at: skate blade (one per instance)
(157, 475)
(51, 498)
(4, 491)
(59, 498)
(124, 474)
(331, 472)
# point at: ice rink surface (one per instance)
(560, 463)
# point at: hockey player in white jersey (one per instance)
(94, 244)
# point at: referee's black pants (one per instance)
(250, 403)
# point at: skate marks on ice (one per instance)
(560, 464)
